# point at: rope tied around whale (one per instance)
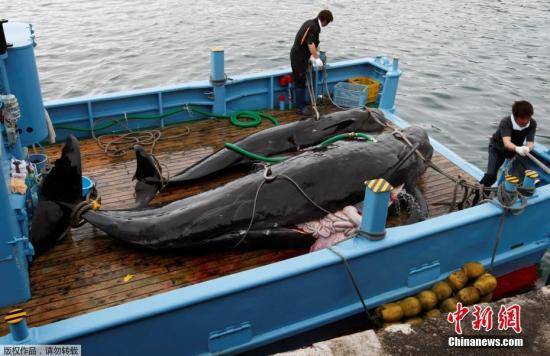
(498, 196)
(92, 202)
(269, 177)
(469, 189)
(504, 198)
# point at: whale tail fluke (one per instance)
(61, 190)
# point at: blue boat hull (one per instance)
(256, 307)
(249, 309)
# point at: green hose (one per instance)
(327, 142)
(352, 135)
(254, 118)
(254, 155)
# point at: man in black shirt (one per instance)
(515, 135)
(305, 49)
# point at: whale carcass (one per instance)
(261, 208)
(290, 137)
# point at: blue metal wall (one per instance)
(14, 246)
(251, 92)
(22, 75)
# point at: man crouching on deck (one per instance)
(510, 138)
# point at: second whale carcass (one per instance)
(276, 140)
(262, 209)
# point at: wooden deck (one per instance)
(86, 271)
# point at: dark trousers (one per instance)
(496, 159)
(299, 70)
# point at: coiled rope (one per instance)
(118, 144)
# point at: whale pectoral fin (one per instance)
(149, 180)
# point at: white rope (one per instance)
(312, 92)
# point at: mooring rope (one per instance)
(355, 285)
(471, 187)
(506, 200)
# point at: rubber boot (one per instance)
(300, 100)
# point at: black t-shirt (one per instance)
(505, 128)
(307, 34)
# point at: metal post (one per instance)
(17, 323)
(389, 91)
(511, 183)
(218, 79)
(5, 84)
(530, 179)
(395, 64)
(375, 209)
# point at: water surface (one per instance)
(464, 62)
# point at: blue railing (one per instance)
(251, 92)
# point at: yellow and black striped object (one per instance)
(512, 179)
(531, 174)
(14, 316)
(379, 185)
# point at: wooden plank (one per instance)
(85, 271)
